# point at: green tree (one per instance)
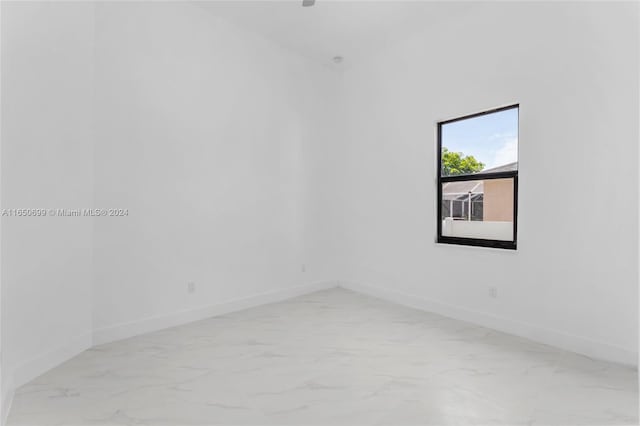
(456, 163)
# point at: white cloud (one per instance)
(508, 153)
(503, 135)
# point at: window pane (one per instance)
(482, 144)
(478, 209)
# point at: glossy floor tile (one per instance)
(329, 358)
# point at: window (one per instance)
(478, 179)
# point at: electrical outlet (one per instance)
(191, 287)
(493, 292)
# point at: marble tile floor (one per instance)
(333, 357)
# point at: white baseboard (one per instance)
(7, 400)
(159, 322)
(572, 343)
(36, 366)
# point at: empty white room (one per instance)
(319, 213)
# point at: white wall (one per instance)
(202, 133)
(573, 67)
(47, 162)
(205, 133)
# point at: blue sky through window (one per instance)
(492, 138)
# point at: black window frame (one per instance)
(477, 242)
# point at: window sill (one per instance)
(473, 242)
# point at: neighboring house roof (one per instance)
(511, 167)
(459, 190)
